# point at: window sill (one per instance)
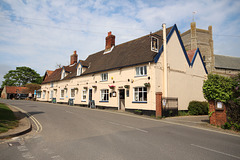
(140, 76)
(83, 100)
(104, 101)
(103, 80)
(72, 98)
(139, 101)
(61, 98)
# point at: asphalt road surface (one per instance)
(62, 132)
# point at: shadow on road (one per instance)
(205, 120)
(37, 112)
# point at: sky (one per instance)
(42, 33)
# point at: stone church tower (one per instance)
(199, 38)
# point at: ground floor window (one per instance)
(51, 94)
(140, 94)
(104, 95)
(38, 94)
(44, 93)
(62, 93)
(84, 95)
(72, 93)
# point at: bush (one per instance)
(198, 108)
(233, 114)
(226, 126)
(217, 87)
(183, 113)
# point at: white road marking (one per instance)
(27, 155)
(22, 148)
(151, 119)
(114, 123)
(57, 157)
(226, 154)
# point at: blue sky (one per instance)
(41, 34)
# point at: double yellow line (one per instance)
(36, 122)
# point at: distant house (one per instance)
(131, 75)
(218, 64)
(10, 92)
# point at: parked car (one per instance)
(22, 96)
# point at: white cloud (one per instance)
(40, 34)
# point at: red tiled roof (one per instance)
(190, 54)
(15, 89)
(56, 75)
(49, 72)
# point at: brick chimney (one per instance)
(73, 58)
(110, 41)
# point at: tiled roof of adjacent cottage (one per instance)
(15, 89)
(227, 62)
(137, 51)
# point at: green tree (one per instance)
(21, 76)
(217, 87)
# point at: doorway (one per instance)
(90, 95)
(122, 99)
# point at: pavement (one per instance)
(24, 125)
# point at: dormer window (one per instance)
(154, 44)
(79, 70)
(63, 74)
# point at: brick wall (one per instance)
(218, 117)
(159, 104)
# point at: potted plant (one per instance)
(127, 86)
(111, 86)
(147, 84)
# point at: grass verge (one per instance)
(7, 119)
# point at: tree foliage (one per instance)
(31, 87)
(21, 76)
(236, 89)
(218, 87)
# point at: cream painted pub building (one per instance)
(128, 75)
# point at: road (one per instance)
(74, 133)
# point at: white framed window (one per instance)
(51, 94)
(44, 93)
(104, 95)
(62, 93)
(38, 94)
(63, 74)
(141, 71)
(84, 95)
(104, 76)
(51, 85)
(72, 93)
(79, 70)
(140, 94)
(154, 44)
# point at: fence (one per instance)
(169, 106)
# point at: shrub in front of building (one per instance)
(198, 108)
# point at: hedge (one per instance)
(198, 108)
